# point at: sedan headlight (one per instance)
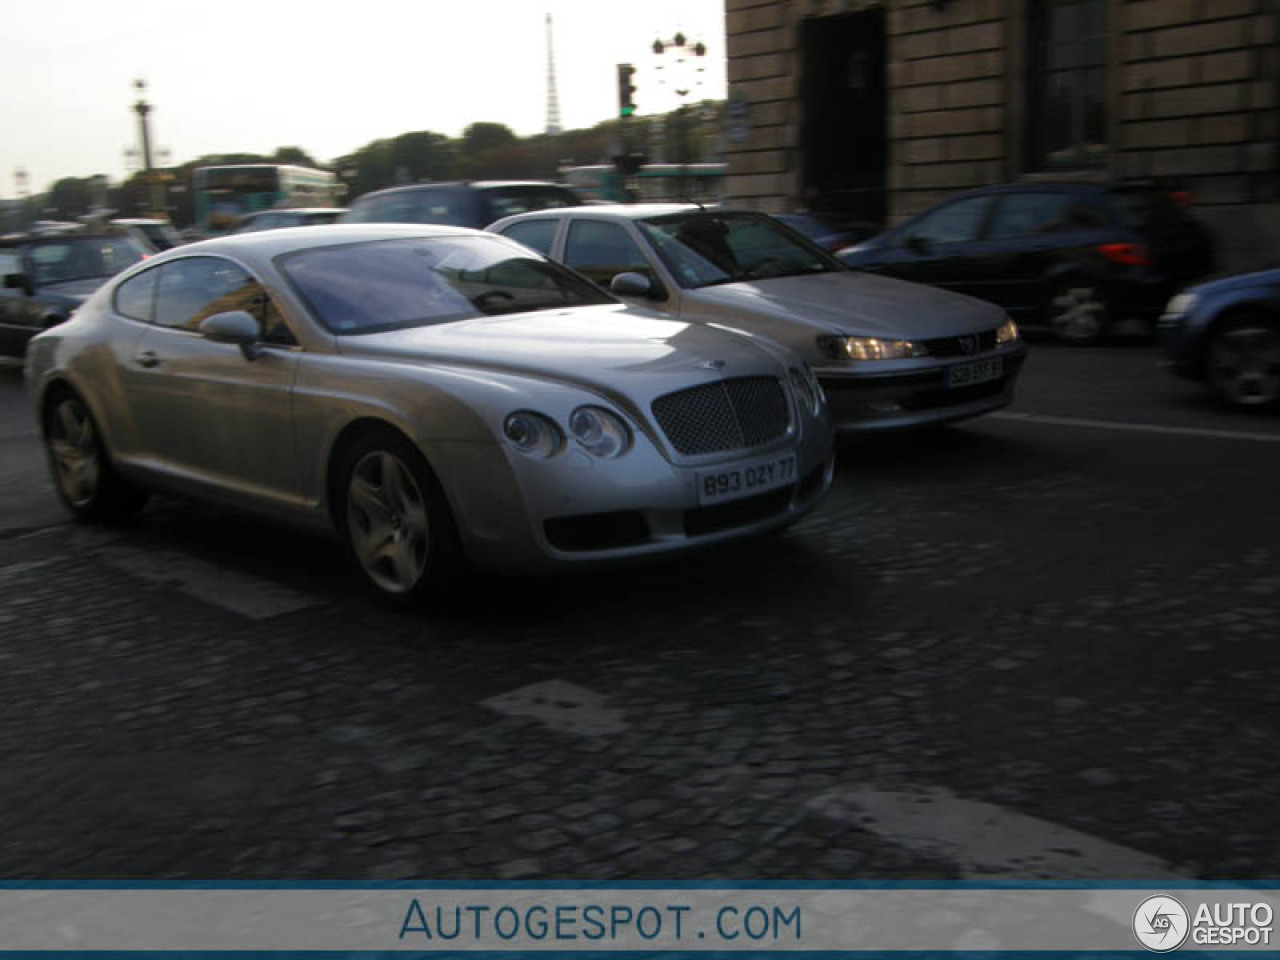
(808, 390)
(532, 434)
(870, 348)
(599, 432)
(1181, 304)
(1007, 332)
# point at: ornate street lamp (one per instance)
(685, 59)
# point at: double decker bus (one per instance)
(222, 195)
(652, 183)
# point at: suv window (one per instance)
(450, 205)
(508, 201)
(194, 288)
(537, 234)
(1143, 207)
(957, 222)
(1023, 214)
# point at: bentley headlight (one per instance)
(1182, 303)
(808, 390)
(599, 432)
(532, 434)
(873, 348)
(1007, 333)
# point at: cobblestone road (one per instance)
(1064, 625)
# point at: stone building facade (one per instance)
(882, 107)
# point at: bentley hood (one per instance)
(604, 346)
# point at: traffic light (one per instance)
(626, 106)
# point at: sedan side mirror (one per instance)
(631, 285)
(234, 326)
(917, 244)
(17, 281)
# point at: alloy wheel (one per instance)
(1077, 313)
(387, 522)
(1244, 364)
(77, 462)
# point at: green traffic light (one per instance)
(627, 111)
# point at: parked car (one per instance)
(48, 276)
(1074, 257)
(430, 394)
(465, 204)
(887, 353)
(1226, 332)
(828, 231)
(153, 236)
(296, 217)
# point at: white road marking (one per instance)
(562, 706)
(248, 596)
(984, 840)
(12, 571)
(1138, 427)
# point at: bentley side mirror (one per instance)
(234, 326)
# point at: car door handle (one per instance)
(147, 359)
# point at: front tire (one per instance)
(82, 471)
(395, 520)
(1243, 362)
(1077, 311)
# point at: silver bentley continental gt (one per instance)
(433, 395)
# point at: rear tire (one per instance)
(395, 521)
(1077, 311)
(1242, 363)
(82, 471)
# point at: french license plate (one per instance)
(745, 480)
(980, 371)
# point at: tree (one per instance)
(293, 155)
(70, 197)
(480, 137)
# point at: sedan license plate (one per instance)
(760, 476)
(980, 371)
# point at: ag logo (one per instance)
(1161, 923)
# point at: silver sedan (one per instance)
(888, 353)
(432, 395)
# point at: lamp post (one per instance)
(21, 182)
(685, 59)
(143, 110)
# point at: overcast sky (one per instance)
(229, 76)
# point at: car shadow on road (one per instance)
(921, 455)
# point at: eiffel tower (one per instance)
(553, 101)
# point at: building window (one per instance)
(1067, 84)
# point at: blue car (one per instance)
(1226, 332)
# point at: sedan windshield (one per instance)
(701, 249)
(394, 284)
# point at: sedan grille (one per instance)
(729, 415)
(961, 346)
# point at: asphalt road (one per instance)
(1040, 644)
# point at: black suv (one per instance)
(467, 204)
(1072, 256)
(47, 277)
